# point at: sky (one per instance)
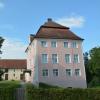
(19, 18)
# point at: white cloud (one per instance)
(72, 21)
(2, 5)
(13, 49)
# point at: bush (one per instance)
(43, 85)
(62, 94)
(7, 90)
(95, 82)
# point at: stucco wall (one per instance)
(13, 74)
(34, 63)
(62, 79)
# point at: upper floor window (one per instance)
(67, 58)
(65, 44)
(55, 72)
(76, 58)
(68, 72)
(77, 72)
(44, 58)
(45, 72)
(54, 58)
(54, 44)
(43, 43)
(74, 44)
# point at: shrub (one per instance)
(7, 90)
(43, 85)
(62, 94)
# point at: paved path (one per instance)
(20, 92)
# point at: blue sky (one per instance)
(19, 18)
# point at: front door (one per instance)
(22, 77)
(6, 76)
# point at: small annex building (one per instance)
(13, 69)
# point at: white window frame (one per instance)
(77, 58)
(52, 45)
(79, 72)
(43, 60)
(45, 72)
(64, 44)
(70, 72)
(52, 59)
(74, 46)
(42, 44)
(69, 58)
(55, 72)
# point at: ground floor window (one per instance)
(77, 72)
(68, 72)
(45, 72)
(55, 72)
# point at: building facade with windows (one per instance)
(13, 69)
(55, 57)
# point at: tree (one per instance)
(86, 63)
(94, 61)
(1, 73)
(94, 65)
(1, 42)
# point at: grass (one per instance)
(5, 84)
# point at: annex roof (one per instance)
(13, 63)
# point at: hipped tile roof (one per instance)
(13, 64)
(54, 30)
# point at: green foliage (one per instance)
(7, 90)
(43, 85)
(6, 93)
(4, 84)
(94, 61)
(86, 62)
(1, 73)
(92, 66)
(62, 94)
(1, 42)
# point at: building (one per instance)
(55, 57)
(13, 68)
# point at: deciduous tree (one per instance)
(1, 42)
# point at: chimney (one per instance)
(49, 19)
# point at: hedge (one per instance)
(7, 90)
(7, 94)
(61, 94)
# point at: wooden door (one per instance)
(22, 77)
(6, 76)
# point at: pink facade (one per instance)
(36, 65)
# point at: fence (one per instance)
(20, 94)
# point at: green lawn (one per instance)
(4, 84)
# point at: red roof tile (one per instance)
(54, 30)
(13, 63)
